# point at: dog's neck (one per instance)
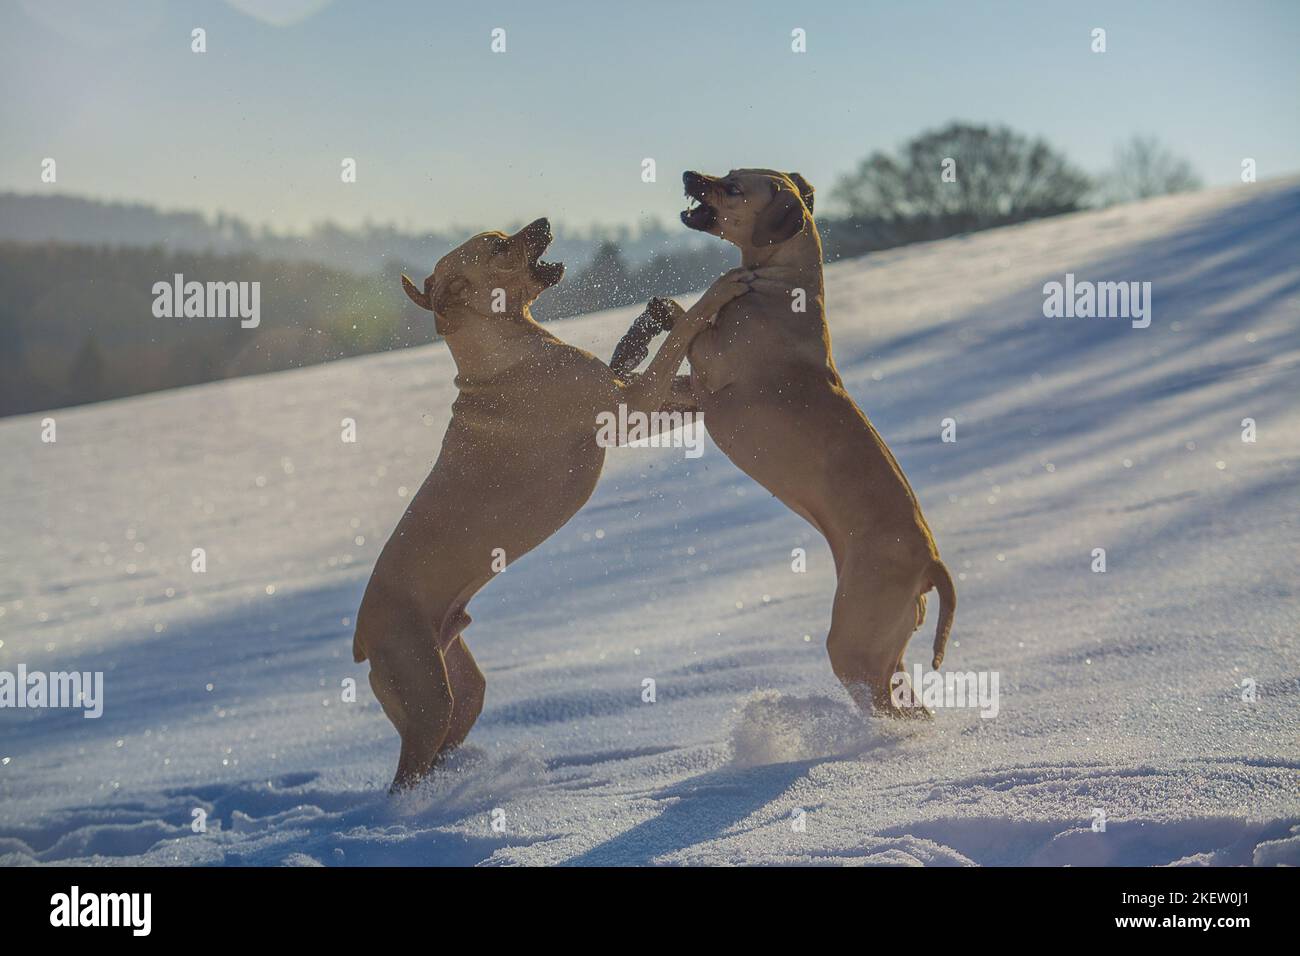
(797, 261)
(484, 347)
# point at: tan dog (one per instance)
(518, 460)
(773, 401)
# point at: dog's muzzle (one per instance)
(536, 237)
(700, 214)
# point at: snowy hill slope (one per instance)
(1120, 692)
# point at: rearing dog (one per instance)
(773, 401)
(518, 460)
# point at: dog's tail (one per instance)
(941, 581)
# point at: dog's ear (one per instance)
(443, 295)
(419, 298)
(436, 297)
(804, 187)
(781, 220)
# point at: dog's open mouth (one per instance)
(547, 272)
(538, 237)
(698, 213)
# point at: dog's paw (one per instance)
(915, 712)
(662, 314)
(630, 352)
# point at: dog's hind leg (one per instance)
(409, 677)
(874, 615)
(467, 687)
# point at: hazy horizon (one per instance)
(448, 134)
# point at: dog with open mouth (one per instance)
(518, 460)
(763, 376)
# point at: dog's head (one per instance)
(751, 208)
(490, 274)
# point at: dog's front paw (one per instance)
(659, 316)
(662, 314)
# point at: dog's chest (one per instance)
(759, 340)
(751, 331)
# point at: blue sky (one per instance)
(447, 133)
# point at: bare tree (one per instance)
(1144, 168)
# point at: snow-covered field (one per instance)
(1121, 691)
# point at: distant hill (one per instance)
(76, 220)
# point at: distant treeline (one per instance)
(77, 322)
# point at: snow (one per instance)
(1120, 692)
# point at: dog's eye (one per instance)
(732, 189)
